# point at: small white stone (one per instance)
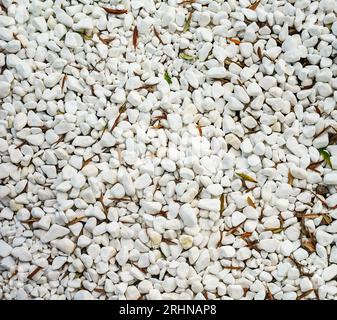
(5, 249)
(235, 291)
(174, 121)
(188, 215)
(73, 40)
(324, 238)
(269, 245)
(331, 178)
(330, 272)
(65, 245)
(77, 180)
(227, 252)
(22, 253)
(209, 204)
(83, 141)
(55, 231)
(217, 73)
(83, 295)
(143, 181)
(5, 88)
(238, 218)
(299, 173)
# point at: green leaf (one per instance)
(246, 177)
(167, 77)
(188, 23)
(326, 156)
(84, 35)
(185, 56)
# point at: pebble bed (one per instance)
(180, 149)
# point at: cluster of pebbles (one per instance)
(180, 149)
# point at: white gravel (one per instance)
(168, 149)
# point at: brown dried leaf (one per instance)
(259, 53)
(312, 166)
(199, 129)
(186, 2)
(75, 220)
(304, 294)
(115, 11)
(290, 178)
(309, 245)
(233, 268)
(30, 221)
(135, 37)
(122, 109)
(63, 82)
(254, 5)
(169, 242)
(246, 235)
(222, 203)
(105, 39)
(236, 41)
(309, 216)
(157, 35)
(251, 202)
(34, 272)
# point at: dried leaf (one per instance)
(186, 2)
(312, 166)
(275, 230)
(105, 39)
(326, 156)
(327, 219)
(158, 35)
(309, 246)
(86, 36)
(222, 203)
(185, 56)
(236, 41)
(251, 202)
(187, 22)
(148, 87)
(122, 109)
(309, 216)
(115, 11)
(169, 242)
(304, 294)
(30, 221)
(259, 53)
(63, 82)
(246, 177)
(135, 37)
(254, 5)
(232, 268)
(167, 77)
(246, 235)
(290, 178)
(34, 272)
(199, 129)
(75, 220)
